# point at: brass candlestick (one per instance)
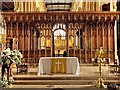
(100, 56)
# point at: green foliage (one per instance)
(8, 56)
(4, 81)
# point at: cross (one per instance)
(58, 64)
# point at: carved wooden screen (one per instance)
(85, 32)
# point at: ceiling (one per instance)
(51, 5)
(7, 6)
(58, 5)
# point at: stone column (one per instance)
(26, 7)
(29, 6)
(113, 5)
(20, 7)
(98, 6)
(16, 5)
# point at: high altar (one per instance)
(58, 65)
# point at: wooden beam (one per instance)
(58, 10)
(6, 6)
(58, 3)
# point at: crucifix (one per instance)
(58, 64)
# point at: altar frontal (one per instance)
(58, 65)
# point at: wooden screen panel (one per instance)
(111, 43)
(82, 56)
(8, 29)
(42, 52)
(111, 38)
(88, 56)
(36, 53)
(77, 53)
(106, 54)
(48, 52)
(99, 37)
(31, 55)
(26, 43)
(71, 52)
(105, 42)
(21, 43)
(93, 54)
(25, 55)
(99, 41)
(36, 61)
(106, 38)
(112, 56)
(93, 41)
(97, 18)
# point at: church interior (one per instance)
(64, 43)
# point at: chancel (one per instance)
(59, 38)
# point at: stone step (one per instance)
(61, 82)
(35, 77)
(56, 87)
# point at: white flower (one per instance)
(8, 56)
(8, 49)
(21, 56)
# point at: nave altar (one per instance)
(58, 65)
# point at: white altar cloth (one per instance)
(44, 66)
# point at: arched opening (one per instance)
(59, 42)
(59, 34)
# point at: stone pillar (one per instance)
(16, 5)
(20, 7)
(97, 6)
(113, 5)
(26, 7)
(29, 6)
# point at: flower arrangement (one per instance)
(4, 82)
(10, 56)
(7, 58)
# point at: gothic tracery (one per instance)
(85, 31)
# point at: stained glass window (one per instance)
(58, 5)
